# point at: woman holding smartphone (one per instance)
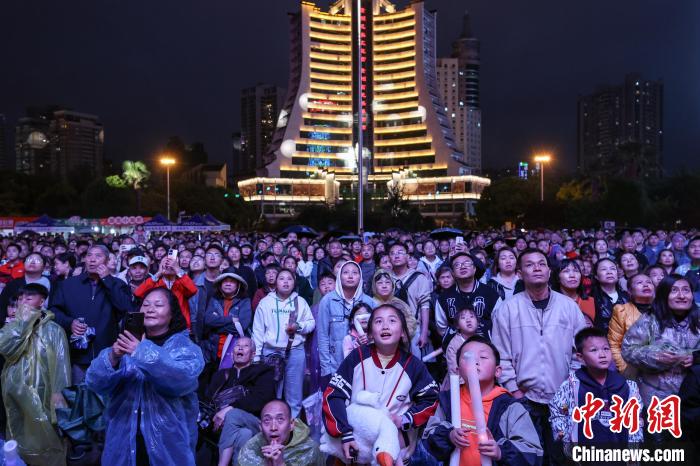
(151, 386)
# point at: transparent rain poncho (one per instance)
(37, 368)
(156, 387)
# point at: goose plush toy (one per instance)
(373, 430)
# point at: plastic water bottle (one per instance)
(11, 452)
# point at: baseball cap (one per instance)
(140, 260)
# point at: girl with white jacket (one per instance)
(276, 334)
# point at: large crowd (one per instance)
(296, 348)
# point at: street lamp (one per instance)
(541, 159)
(167, 161)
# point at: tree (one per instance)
(396, 205)
(506, 200)
(135, 175)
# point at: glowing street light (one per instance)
(541, 159)
(168, 162)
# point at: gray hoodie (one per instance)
(333, 324)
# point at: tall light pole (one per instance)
(541, 159)
(357, 16)
(168, 162)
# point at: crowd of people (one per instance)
(253, 348)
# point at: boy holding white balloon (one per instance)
(509, 437)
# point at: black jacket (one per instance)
(689, 394)
(257, 378)
(438, 443)
(483, 300)
(73, 298)
(248, 275)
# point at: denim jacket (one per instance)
(332, 324)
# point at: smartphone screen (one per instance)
(133, 322)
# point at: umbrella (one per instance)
(301, 230)
(445, 233)
(335, 234)
(349, 238)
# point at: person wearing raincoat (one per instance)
(151, 385)
(37, 368)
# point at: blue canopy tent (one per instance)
(43, 224)
(158, 223)
(193, 223)
(214, 224)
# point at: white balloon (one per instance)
(37, 140)
(304, 101)
(288, 147)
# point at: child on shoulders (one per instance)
(353, 339)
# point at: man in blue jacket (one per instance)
(100, 299)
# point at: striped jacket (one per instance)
(405, 387)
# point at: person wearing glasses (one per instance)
(414, 288)
(206, 289)
(468, 292)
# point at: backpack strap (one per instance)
(405, 285)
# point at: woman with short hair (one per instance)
(150, 384)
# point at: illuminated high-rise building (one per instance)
(620, 129)
(458, 83)
(57, 142)
(260, 106)
(380, 60)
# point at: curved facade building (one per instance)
(386, 55)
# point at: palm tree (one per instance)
(135, 175)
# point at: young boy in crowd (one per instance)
(466, 322)
(593, 350)
(512, 438)
(326, 284)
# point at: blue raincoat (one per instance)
(162, 383)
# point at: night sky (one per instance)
(152, 69)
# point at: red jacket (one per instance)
(10, 272)
(183, 288)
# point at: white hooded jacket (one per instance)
(271, 318)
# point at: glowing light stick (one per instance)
(477, 406)
(357, 321)
(456, 413)
(432, 355)
(239, 328)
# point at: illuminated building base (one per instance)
(444, 196)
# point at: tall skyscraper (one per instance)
(33, 152)
(620, 129)
(458, 83)
(379, 62)
(59, 143)
(260, 106)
